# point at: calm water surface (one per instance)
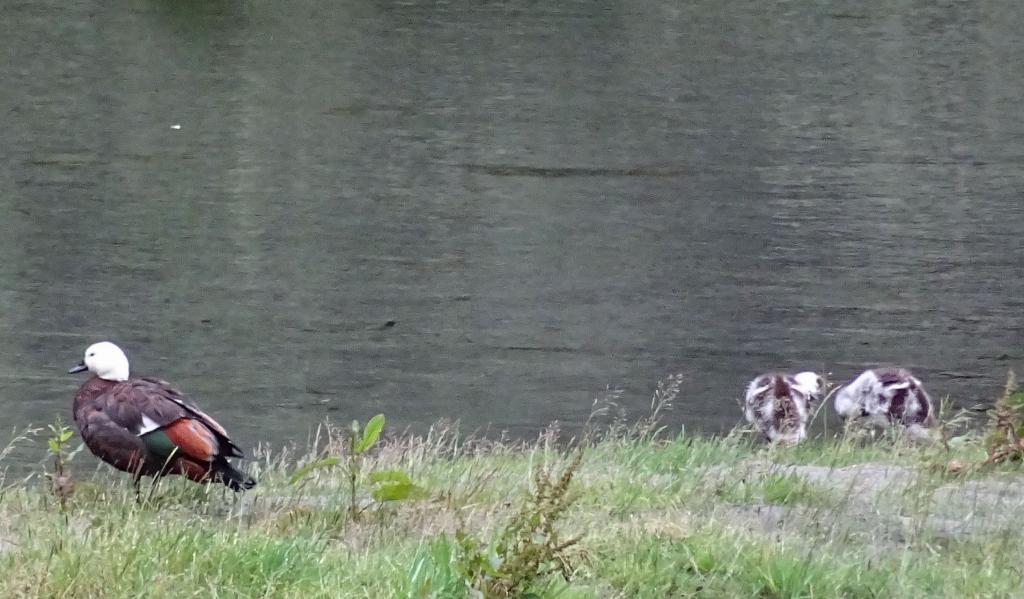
(545, 198)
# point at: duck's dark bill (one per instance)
(78, 368)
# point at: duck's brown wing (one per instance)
(152, 406)
(100, 424)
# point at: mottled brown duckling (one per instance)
(780, 404)
(146, 427)
(886, 396)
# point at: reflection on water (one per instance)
(544, 200)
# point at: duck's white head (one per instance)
(810, 382)
(105, 360)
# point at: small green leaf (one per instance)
(65, 435)
(390, 476)
(54, 447)
(371, 433)
(399, 492)
(303, 472)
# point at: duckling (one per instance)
(780, 404)
(885, 396)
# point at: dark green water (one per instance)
(546, 198)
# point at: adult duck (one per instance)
(146, 427)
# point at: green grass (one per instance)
(684, 517)
(728, 565)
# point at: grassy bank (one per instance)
(630, 516)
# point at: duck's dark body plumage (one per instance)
(146, 427)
